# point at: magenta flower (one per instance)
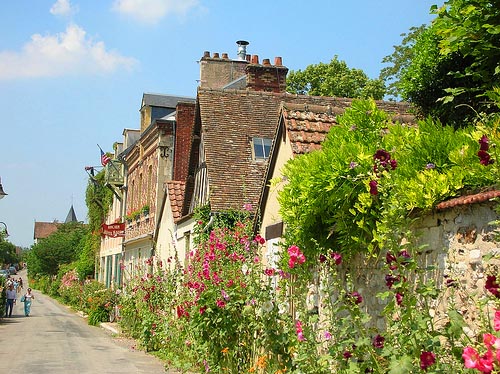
(382, 156)
(322, 258)
(356, 297)
(378, 341)
(300, 333)
(337, 257)
(427, 359)
(484, 143)
(327, 335)
(220, 303)
(373, 187)
(492, 285)
(484, 158)
(399, 298)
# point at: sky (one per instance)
(73, 72)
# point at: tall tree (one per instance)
(454, 64)
(334, 79)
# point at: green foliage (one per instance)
(328, 195)
(7, 252)
(454, 62)
(399, 61)
(61, 247)
(334, 79)
(85, 265)
(98, 199)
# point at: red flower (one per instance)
(399, 298)
(220, 303)
(496, 321)
(483, 143)
(427, 359)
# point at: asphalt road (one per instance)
(56, 340)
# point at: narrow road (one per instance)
(56, 340)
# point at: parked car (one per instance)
(12, 270)
(4, 273)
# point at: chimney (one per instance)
(217, 72)
(266, 77)
(242, 50)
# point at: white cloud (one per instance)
(152, 11)
(67, 53)
(63, 8)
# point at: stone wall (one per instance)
(458, 246)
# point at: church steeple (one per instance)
(71, 217)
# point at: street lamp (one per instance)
(2, 192)
(5, 229)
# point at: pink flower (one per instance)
(427, 359)
(399, 298)
(300, 333)
(296, 256)
(224, 294)
(328, 336)
(247, 206)
(471, 357)
(496, 321)
(220, 303)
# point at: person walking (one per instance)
(27, 298)
(11, 300)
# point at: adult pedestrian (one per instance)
(27, 298)
(11, 300)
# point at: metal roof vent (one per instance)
(242, 50)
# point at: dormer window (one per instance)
(261, 148)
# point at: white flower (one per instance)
(244, 269)
(267, 306)
(283, 307)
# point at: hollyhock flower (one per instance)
(347, 355)
(496, 321)
(352, 165)
(491, 340)
(327, 335)
(427, 359)
(220, 303)
(296, 256)
(382, 156)
(471, 357)
(322, 258)
(224, 294)
(492, 285)
(378, 341)
(430, 165)
(484, 143)
(247, 206)
(337, 257)
(405, 257)
(373, 187)
(393, 163)
(267, 306)
(484, 158)
(300, 333)
(269, 272)
(399, 298)
(356, 297)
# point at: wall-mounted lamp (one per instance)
(164, 151)
(5, 229)
(2, 192)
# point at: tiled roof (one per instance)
(468, 199)
(176, 191)
(231, 118)
(44, 229)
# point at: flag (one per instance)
(104, 158)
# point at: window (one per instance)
(261, 148)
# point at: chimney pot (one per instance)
(248, 58)
(206, 54)
(266, 61)
(225, 56)
(255, 59)
(216, 55)
(278, 61)
(242, 49)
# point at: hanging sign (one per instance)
(114, 230)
